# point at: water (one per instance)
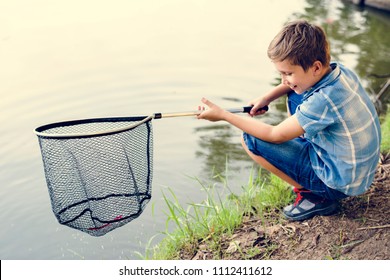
(63, 60)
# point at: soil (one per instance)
(359, 231)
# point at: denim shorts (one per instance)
(292, 157)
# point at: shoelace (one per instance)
(299, 195)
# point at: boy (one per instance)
(328, 147)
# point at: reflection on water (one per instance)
(218, 146)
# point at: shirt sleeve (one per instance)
(315, 114)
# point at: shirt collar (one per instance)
(328, 79)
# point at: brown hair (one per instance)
(301, 43)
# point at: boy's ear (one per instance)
(317, 67)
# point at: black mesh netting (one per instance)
(98, 183)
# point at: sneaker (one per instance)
(308, 205)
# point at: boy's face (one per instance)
(295, 77)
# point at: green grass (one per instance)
(216, 215)
(385, 126)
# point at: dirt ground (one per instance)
(359, 231)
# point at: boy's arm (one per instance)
(265, 100)
(286, 130)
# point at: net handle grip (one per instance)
(245, 109)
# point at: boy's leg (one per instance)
(291, 162)
(271, 168)
(292, 102)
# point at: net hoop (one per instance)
(44, 130)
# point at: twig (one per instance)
(379, 75)
(348, 247)
(383, 89)
(375, 227)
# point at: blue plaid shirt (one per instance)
(342, 125)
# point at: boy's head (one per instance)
(301, 43)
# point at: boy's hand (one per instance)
(257, 104)
(266, 99)
(214, 113)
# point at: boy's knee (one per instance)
(244, 145)
(246, 148)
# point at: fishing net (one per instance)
(98, 172)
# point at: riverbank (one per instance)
(377, 4)
(250, 226)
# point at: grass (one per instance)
(385, 126)
(216, 216)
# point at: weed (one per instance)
(207, 221)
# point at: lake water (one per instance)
(63, 60)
